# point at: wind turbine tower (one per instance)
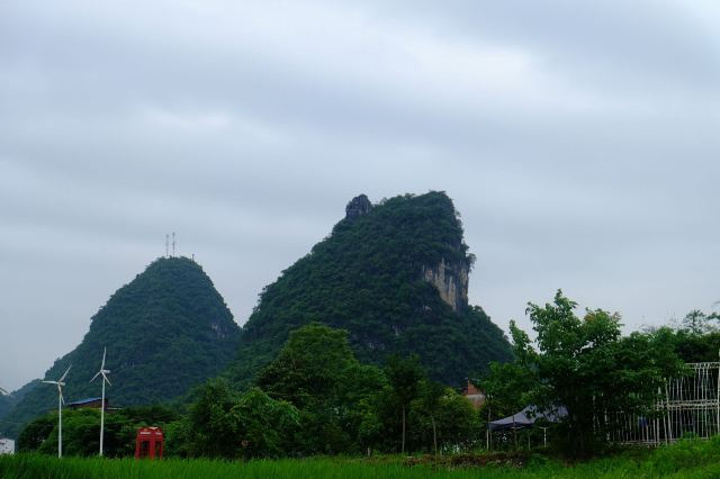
(60, 383)
(103, 372)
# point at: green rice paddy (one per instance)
(688, 459)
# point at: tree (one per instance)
(587, 367)
(697, 323)
(404, 376)
(443, 416)
(264, 425)
(507, 387)
(318, 373)
(224, 423)
(432, 393)
(214, 430)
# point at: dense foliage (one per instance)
(697, 337)
(316, 398)
(81, 431)
(227, 424)
(318, 373)
(166, 332)
(367, 278)
(8, 402)
(585, 365)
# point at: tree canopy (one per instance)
(585, 365)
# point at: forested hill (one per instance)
(166, 331)
(8, 402)
(395, 275)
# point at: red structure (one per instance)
(149, 443)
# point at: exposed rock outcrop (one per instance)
(451, 280)
(358, 206)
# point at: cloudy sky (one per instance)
(579, 141)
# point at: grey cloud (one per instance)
(578, 142)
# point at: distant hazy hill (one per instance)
(8, 402)
(396, 276)
(165, 332)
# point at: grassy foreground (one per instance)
(688, 459)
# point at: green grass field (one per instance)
(688, 459)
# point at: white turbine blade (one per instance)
(50, 382)
(96, 375)
(4, 392)
(106, 379)
(66, 373)
(103, 361)
(62, 399)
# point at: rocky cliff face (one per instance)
(451, 280)
(358, 206)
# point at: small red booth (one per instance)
(149, 443)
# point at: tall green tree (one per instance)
(586, 366)
(404, 376)
(507, 387)
(318, 373)
(440, 416)
(225, 423)
(432, 393)
(697, 323)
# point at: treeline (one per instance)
(314, 398)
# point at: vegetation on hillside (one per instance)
(367, 278)
(166, 331)
(8, 402)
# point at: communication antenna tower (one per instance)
(167, 245)
(173, 243)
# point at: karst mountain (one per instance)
(395, 275)
(166, 331)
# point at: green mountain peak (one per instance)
(165, 332)
(395, 275)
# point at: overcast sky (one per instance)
(579, 141)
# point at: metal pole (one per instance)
(102, 415)
(717, 399)
(487, 432)
(59, 425)
(667, 409)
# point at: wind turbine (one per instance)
(4, 392)
(103, 372)
(59, 383)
